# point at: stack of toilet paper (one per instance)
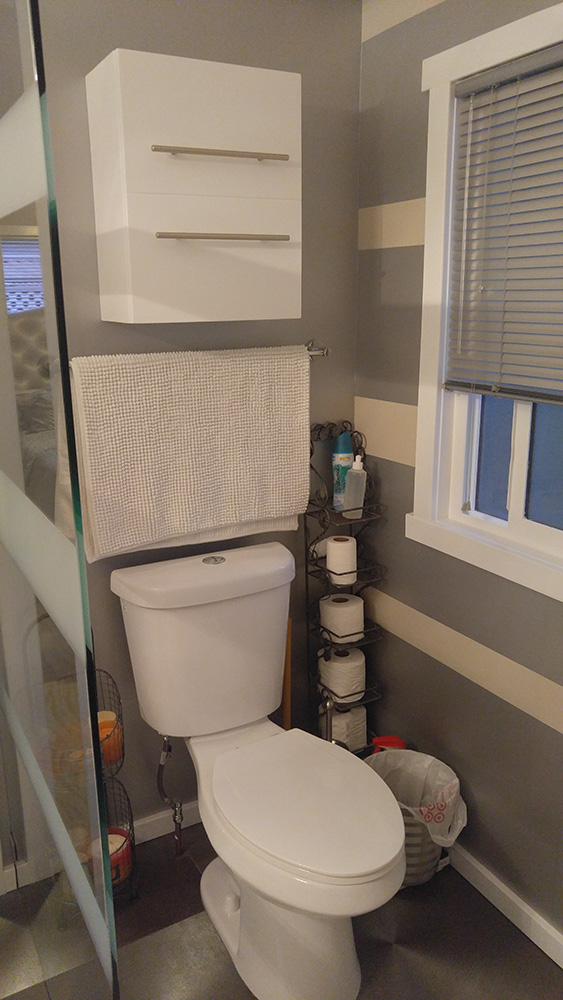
(344, 673)
(341, 560)
(342, 616)
(349, 728)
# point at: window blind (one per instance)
(23, 282)
(505, 323)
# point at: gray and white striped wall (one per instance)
(471, 664)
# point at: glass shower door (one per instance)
(56, 911)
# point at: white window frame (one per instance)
(519, 550)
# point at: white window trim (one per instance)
(486, 543)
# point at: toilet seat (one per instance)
(310, 807)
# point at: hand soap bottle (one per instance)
(342, 459)
(355, 490)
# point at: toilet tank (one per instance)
(207, 637)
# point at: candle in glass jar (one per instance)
(120, 854)
(111, 737)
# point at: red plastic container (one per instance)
(387, 742)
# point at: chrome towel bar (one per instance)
(197, 151)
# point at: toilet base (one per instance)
(280, 953)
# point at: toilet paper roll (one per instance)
(342, 615)
(341, 559)
(349, 728)
(344, 674)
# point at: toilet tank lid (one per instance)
(205, 578)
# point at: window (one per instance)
(21, 264)
(489, 468)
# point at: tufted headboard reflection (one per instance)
(29, 350)
(34, 400)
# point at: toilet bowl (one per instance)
(306, 840)
(307, 835)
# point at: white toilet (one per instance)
(307, 835)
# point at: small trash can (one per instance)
(433, 810)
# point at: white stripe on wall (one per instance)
(518, 685)
(398, 224)
(390, 428)
(379, 15)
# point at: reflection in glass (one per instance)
(51, 717)
(42, 930)
(55, 827)
(21, 264)
(55, 877)
(31, 366)
(28, 327)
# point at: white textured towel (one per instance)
(190, 447)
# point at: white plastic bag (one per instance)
(426, 788)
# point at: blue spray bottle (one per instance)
(342, 460)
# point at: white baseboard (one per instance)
(159, 824)
(534, 926)
(29, 872)
(7, 880)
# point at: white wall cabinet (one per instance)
(223, 198)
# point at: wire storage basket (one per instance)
(121, 836)
(110, 723)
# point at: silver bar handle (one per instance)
(197, 151)
(223, 236)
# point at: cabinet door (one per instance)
(191, 103)
(193, 280)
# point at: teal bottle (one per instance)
(342, 460)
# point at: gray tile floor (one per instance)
(440, 941)
(42, 934)
(444, 941)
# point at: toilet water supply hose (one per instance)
(174, 804)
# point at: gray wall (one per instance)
(319, 39)
(509, 763)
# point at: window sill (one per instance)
(519, 564)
